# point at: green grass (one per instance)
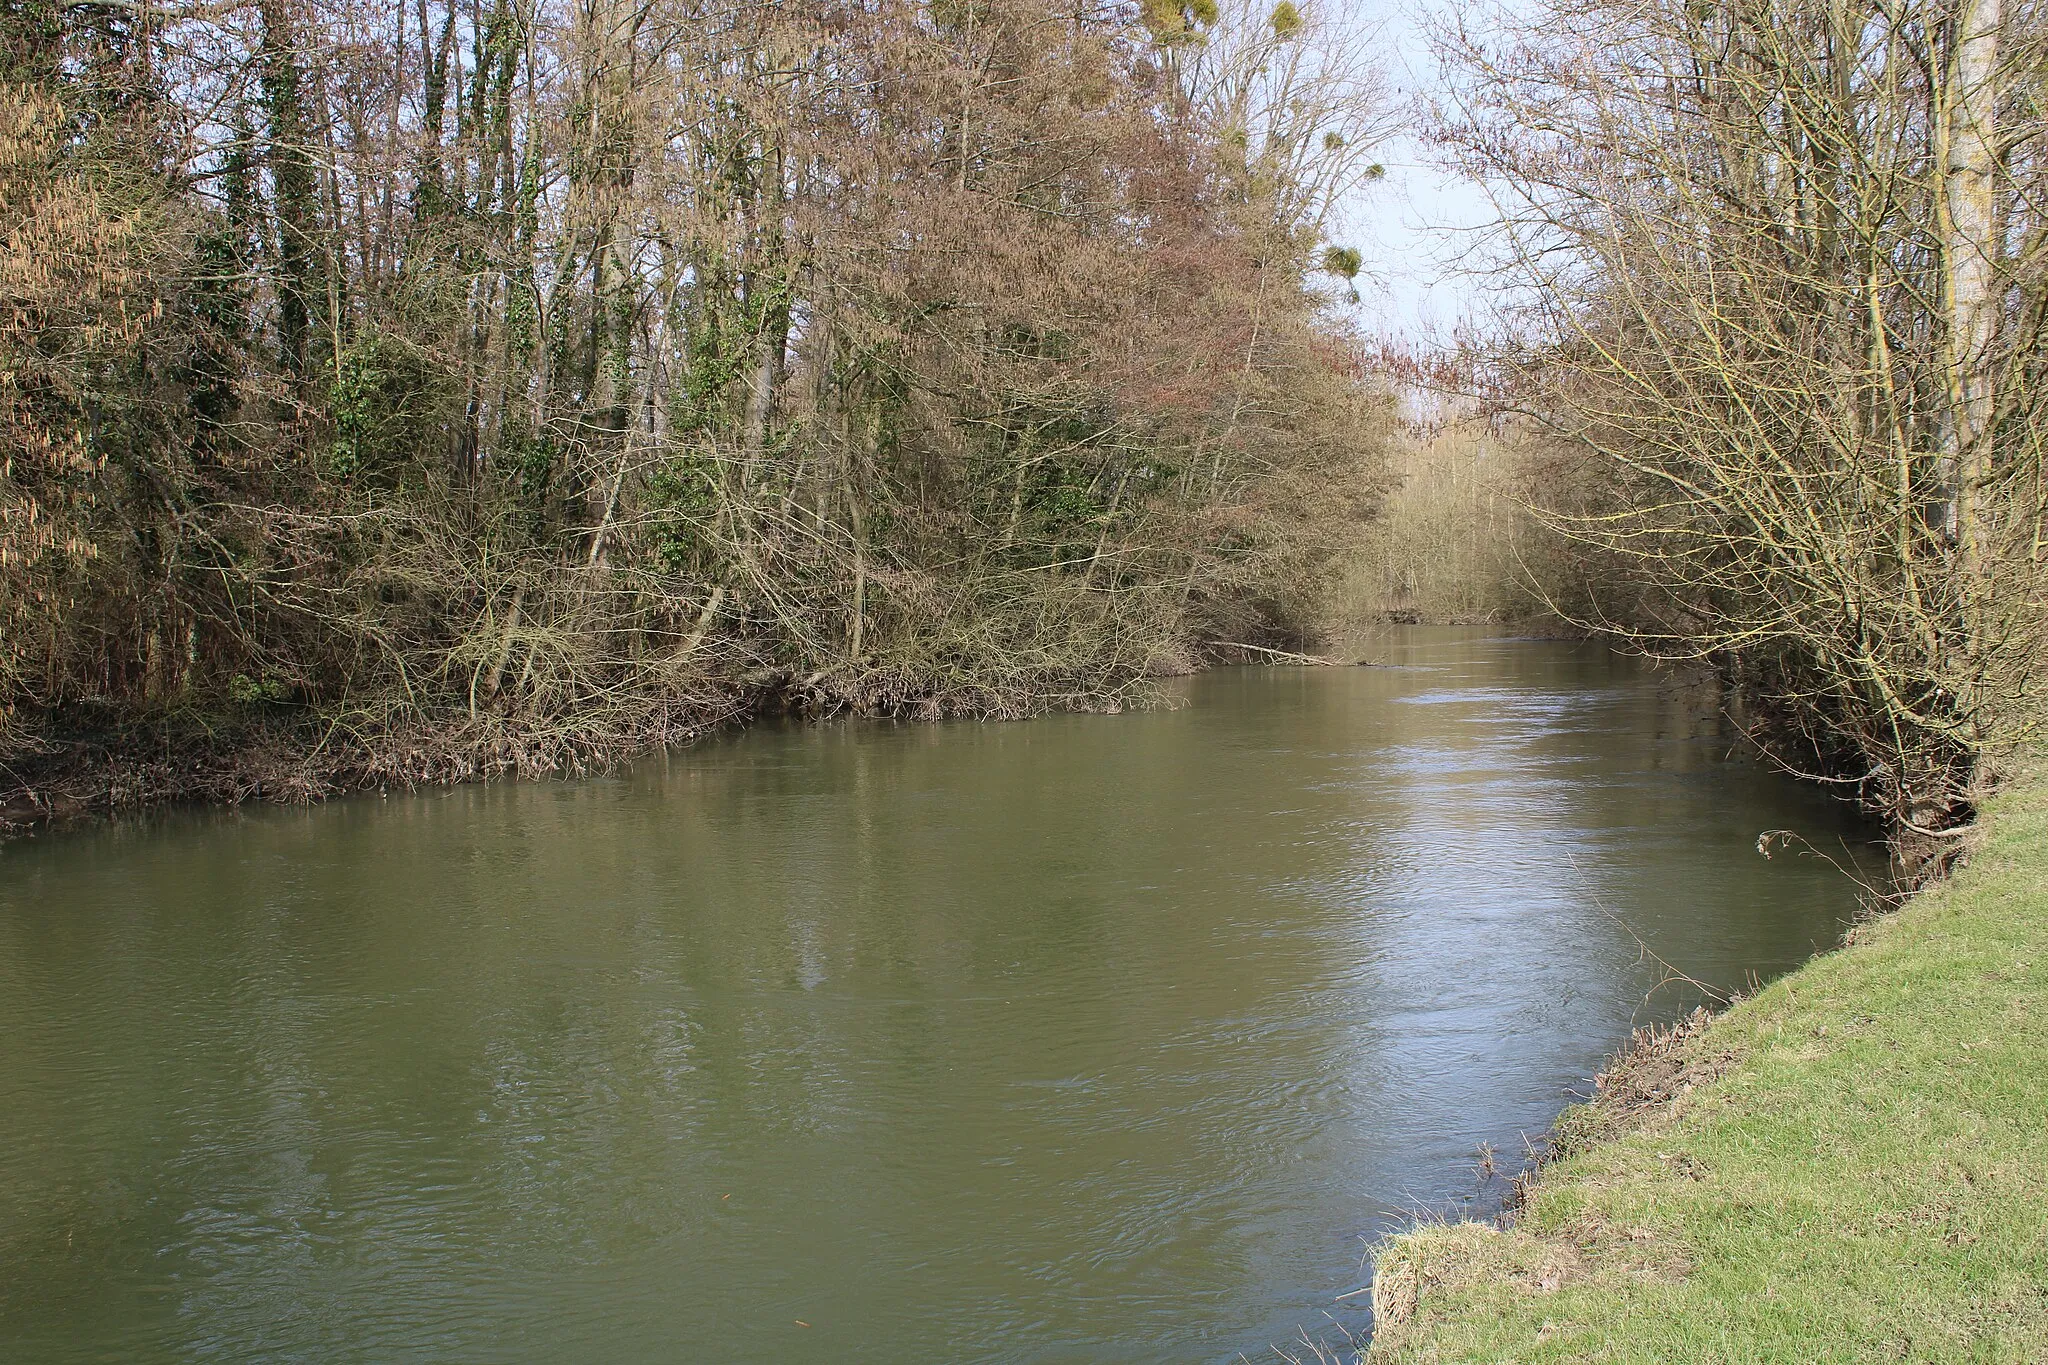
(1859, 1171)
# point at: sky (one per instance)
(1415, 224)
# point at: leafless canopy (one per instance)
(1775, 289)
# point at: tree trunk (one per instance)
(292, 179)
(1970, 258)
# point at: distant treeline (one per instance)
(483, 384)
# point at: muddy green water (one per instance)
(1092, 1038)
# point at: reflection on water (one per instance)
(1090, 1038)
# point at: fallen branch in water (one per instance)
(1316, 659)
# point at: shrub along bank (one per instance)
(1846, 1167)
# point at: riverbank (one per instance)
(1845, 1167)
(78, 768)
(298, 758)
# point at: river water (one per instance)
(1084, 1039)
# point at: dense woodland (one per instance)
(407, 391)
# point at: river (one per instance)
(1082, 1039)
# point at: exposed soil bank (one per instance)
(1846, 1167)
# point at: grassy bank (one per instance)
(1847, 1167)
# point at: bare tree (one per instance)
(1774, 288)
